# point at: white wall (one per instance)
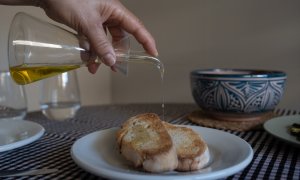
(193, 34)
(95, 89)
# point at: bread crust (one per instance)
(192, 151)
(145, 142)
(158, 146)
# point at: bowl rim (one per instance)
(239, 73)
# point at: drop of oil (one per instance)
(159, 65)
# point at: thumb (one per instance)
(101, 45)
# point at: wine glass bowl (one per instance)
(13, 102)
(60, 96)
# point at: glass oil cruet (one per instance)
(38, 50)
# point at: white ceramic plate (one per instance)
(17, 133)
(278, 127)
(97, 153)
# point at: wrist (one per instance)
(38, 3)
(22, 2)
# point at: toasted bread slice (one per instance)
(145, 142)
(192, 151)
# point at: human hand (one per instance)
(91, 18)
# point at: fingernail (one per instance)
(155, 53)
(109, 59)
(93, 68)
(113, 68)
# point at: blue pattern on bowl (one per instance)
(237, 91)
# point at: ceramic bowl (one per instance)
(237, 94)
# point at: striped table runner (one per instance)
(273, 159)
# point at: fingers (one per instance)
(119, 21)
(117, 33)
(93, 67)
(88, 56)
(99, 42)
(113, 68)
(133, 25)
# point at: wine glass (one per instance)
(13, 102)
(60, 96)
